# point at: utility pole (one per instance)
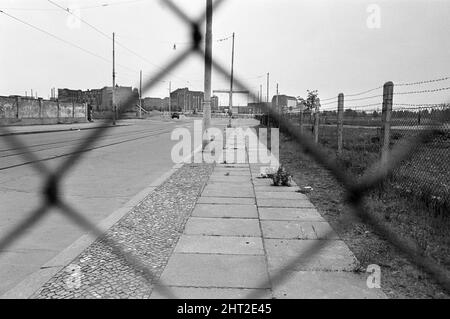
(114, 81)
(278, 106)
(208, 67)
(140, 94)
(170, 99)
(267, 100)
(232, 74)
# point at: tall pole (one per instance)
(278, 106)
(140, 94)
(267, 100)
(170, 99)
(208, 66)
(232, 74)
(260, 93)
(114, 82)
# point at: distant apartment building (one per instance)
(184, 100)
(152, 103)
(102, 99)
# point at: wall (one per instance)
(17, 110)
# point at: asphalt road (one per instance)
(118, 166)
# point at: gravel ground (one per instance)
(149, 232)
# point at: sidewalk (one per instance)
(242, 234)
(215, 232)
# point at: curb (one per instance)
(30, 284)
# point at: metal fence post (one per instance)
(388, 93)
(316, 126)
(340, 122)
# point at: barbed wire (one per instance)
(397, 85)
(424, 91)
(423, 82)
(356, 189)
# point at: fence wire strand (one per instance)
(356, 190)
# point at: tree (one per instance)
(312, 100)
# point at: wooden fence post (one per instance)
(316, 126)
(388, 94)
(340, 122)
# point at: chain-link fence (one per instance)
(356, 189)
(424, 175)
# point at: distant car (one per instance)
(175, 115)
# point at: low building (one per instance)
(152, 103)
(285, 103)
(101, 99)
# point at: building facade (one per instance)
(184, 100)
(285, 103)
(101, 99)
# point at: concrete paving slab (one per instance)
(247, 187)
(226, 200)
(211, 293)
(230, 172)
(285, 203)
(236, 179)
(333, 256)
(301, 214)
(232, 165)
(325, 285)
(225, 211)
(262, 181)
(271, 188)
(248, 184)
(297, 230)
(234, 170)
(220, 245)
(227, 271)
(280, 195)
(222, 227)
(228, 192)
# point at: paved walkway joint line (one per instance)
(244, 233)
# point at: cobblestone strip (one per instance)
(150, 232)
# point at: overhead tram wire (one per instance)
(103, 5)
(104, 34)
(60, 39)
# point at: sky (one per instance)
(346, 46)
